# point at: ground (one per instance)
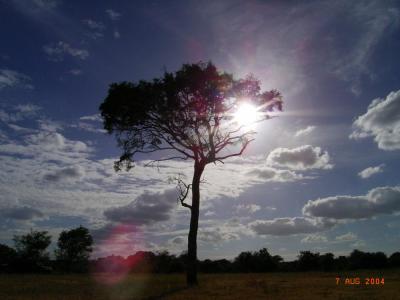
(315, 285)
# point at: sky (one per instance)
(322, 176)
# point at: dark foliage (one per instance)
(327, 261)
(7, 258)
(259, 261)
(367, 260)
(308, 261)
(185, 112)
(74, 248)
(394, 260)
(30, 256)
(31, 252)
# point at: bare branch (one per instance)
(164, 159)
(235, 154)
(183, 190)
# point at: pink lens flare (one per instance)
(122, 239)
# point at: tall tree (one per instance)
(74, 248)
(191, 114)
(31, 251)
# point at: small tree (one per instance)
(191, 114)
(74, 248)
(31, 251)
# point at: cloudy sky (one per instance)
(322, 176)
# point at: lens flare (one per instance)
(112, 269)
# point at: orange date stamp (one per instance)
(360, 281)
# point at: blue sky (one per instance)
(322, 176)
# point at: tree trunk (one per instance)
(191, 268)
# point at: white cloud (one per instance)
(49, 125)
(288, 226)
(10, 78)
(305, 131)
(347, 237)
(314, 238)
(95, 117)
(57, 51)
(381, 200)
(275, 175)
(381, 121)
(370, 171)
(247, 208)
(301, 158)
(113, 15)
(28, 108)
(20, 128)
(88, 127)
(19, 112)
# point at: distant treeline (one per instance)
(247, 262)
(74, 248)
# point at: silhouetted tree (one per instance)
(7, 258)
(244, 262)
(259, 261)
(308, 261)
(327, 261)
(366, 260)
(190, 115)
(74, 248)
(31, 251)
(216, 266)
(341, 263)
(376, 260)
(394, 260)
(142, 262)
(264, 262)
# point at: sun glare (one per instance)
(246, 114)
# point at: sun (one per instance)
(246, 115)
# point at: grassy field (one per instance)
(220, 286)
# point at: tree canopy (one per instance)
(74, 248)
(74, 245)
(189, 111)
(31, 250)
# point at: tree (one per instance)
(7, 258)
(74, 248)
(327, 261)
(31, 251)
(189, 115)
(394, 260)
(308, 261)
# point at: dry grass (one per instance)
(226, 286)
